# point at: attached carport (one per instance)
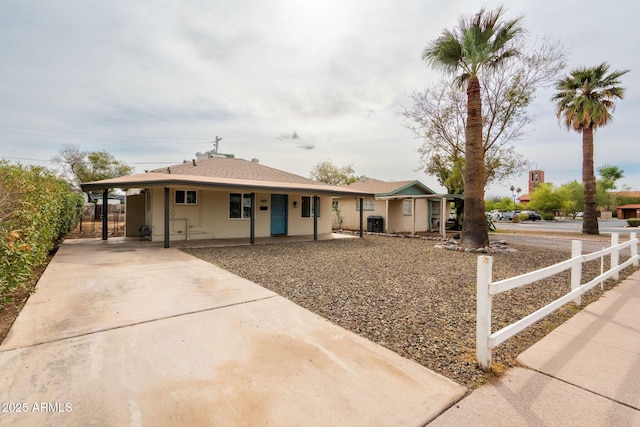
(168, 181)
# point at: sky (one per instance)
(291, 83)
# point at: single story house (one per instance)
(402, 207)
(223, 197)
(629, 211)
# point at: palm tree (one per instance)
(584, 102)
(480, 42)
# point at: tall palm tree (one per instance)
(480, 42)
(584, 102)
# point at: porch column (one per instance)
(361, 202)
(315, 217)
(413, 212)
(166, 217)
(252, 234)
(444, 216)
(386, 215)
(105, 214)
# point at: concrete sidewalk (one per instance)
(585, 372)
(127, 333)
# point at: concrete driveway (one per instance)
(129, 333)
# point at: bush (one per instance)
(36, 210)
(548, 216)
(633, 222)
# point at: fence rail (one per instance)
(486, 289)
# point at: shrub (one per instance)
(633, 222)
(548, 216)
(36, 210)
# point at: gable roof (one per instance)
(222, 172)
(391, 188)
(225, 167)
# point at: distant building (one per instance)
(535, 177)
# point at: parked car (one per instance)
(533, 216)
(494, 215)
(451, 222)
(508, 215)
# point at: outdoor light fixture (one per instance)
(295, 204)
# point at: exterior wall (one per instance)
(209, 218)
(351, 216)
(397, 221)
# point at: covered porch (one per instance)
(250, 222)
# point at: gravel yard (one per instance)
(408, 296)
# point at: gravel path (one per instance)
(408, 296)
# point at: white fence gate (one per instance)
(486, 289)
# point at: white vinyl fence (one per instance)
(486, 289)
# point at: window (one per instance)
(406, 207)
(239, 205)
(367, 205)
(185, 197)
(307, 207)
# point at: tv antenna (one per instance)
(215, 144)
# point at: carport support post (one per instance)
(361, 202)
(166, 217)
(105, 214)
(445, 209)
(315, 217)
(252, 232)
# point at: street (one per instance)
(605, 226)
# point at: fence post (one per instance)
(576, 270)
(615, 256)
(483, 311)
(634, 249)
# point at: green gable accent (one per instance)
(415, 188)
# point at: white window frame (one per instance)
(245, 206)
(367, 205)
(309, 208)
(186, 198)
(407, 207)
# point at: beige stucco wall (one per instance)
(396, 222)
(209, 219)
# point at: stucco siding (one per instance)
(209, 217)
(395, 221)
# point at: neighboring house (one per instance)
(403, 206)
(222, 198)
(629, 211)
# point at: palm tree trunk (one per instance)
(590, 217)
(474, 228)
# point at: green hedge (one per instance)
(633, 222)
(36, 210)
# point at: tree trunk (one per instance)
(590, 217)
(474, 228)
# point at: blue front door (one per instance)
(278, 214)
